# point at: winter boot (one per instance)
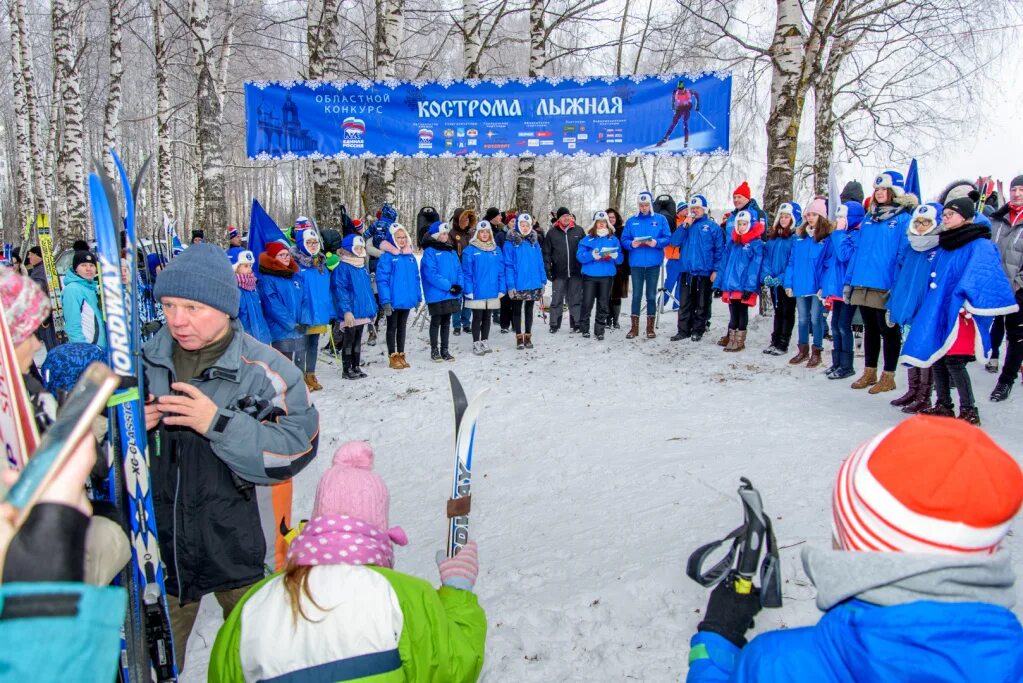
(457, 331)
(726, 338)
(486, 346)
(357, 365)
(680, 336)
(445, 355)
(867, 379)
(310, 381)
(802, 353)
(527, 339)
(394, 362)
(730, 346)
(371, 339)
(616, 311)
(815, 357)
(650, 322)
(782, 347)
(435, 355)
(845, 366)
(773, 346)
(834, 362)
(914, 388)
(740, 341)
(404, 362)
(697, 336)
(346, 363)
(520, 342)
(477, 348)
(992, 366)
(886, 383)
(634, 330)
(1001, 392)
(970, 415)
(923, 393)
(940, 409)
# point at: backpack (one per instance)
(426, 217)
(665, 205)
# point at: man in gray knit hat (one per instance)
(234, 424)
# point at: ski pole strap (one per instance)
(459, 507)
(709, 577)
(123, 397)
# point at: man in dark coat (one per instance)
(563, 268)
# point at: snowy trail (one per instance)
(600, 466)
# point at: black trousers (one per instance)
(396, 324)
(954, 368)
(518, 307)
(784, 318)
(694, 297)
(738, 315)
(596, 290)
(480, 325)
(876, 331)
(440, 325)
(351, 342)
(1014, 343)
(506, 313)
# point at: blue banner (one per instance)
(613, 116)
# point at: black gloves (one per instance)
(746, 295)
(456, 289)
(716, 293)
(730, 614)
(49, 547)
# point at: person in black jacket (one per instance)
(37, 271)
(563, 268)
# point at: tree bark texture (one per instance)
(378, 177)
(212, 208)
(112, 113)
(164, 181)
(525, 183)
(71, 159)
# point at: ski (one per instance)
(466, 415)
(53, 280)
(17, 428)
(149, 649)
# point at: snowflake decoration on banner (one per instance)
(413, 96)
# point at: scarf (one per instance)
(1015, 214)
(352, 260)
(246, 281)
(950, 240)
(307, 261)
(880, 213)
(483, 246)
(518, 238)
(754, 233)
(268, 265)
(925, 242)
(342, 539)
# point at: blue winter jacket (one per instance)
(482, 272)
(281, 297)
(316, 308)
(742, 269)
(398, 281)
(604, 267)
(83, 321)
(832, 266)
(523, 263)
(857, 641)
(250, 313)
(702, 245)
(653, 226)
(60, 632)
(803, 272)
(911, 285)
(756, 213)
(969, 277)
(353, 291)
(882, 244)
(776, 257)
(440, 269)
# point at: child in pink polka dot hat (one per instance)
(340, 606)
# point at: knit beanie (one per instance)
(65, 364)
(852, 192)
(1016, 182)
(963, 206)
(561, 212)
(743, 190)
(817, 206)
(232, 232)
(239, 256)
(201, 273)
(26, 306)
(492, 213)
(274, 248)
(81, 257)
(351, 487)
(928, 485)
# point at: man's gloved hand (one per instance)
(730, 614)
(456, 289)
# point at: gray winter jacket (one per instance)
(1009, 239)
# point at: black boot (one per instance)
(1001, 392)
(834, 363)
(941, 409)
(346, 364)
(911, 393)
(435, 355)
(357, 365)
(445, 355)
(970, 415)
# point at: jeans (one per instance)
(784, 318)
(738, 315)
(841, 326)
(694, 304)
(811, 312)
(596, 290)
(396, 324)
(874, 330)
(954, 368)
(288, 348)
(306, 354)
(645, 277)
(568, 289)
(518, 308)
(462, 319)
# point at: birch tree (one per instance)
(23, 152)
(471, 48)
(211, 211)
(525, 182)
(378, 177)
(322, 33)
(164, 181)
(71, 158)
(112, 112)
(23, 76)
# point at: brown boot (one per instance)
(520, 342)
(650, 333)
(634, 330)
(310, 381)
(886, 383)
(726, 338)
(802, 353)
(913, 374)
(815, 358)
(527, 339)
(740, 340)
(404, 362)
(394, 362)
(730, 346)
(867, 379)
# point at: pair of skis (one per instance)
(148, 653)
(52, 278)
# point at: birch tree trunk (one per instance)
(112, 113)
(36, 160)
(322, 33)
(211, 210)
(164, 181)
(471, 171)
(23, 152)
(71, 159)
(378, 177)
(824, 126)
(525, 182)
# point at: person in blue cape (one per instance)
(599, 252)
(250, 310)
(953, 324)
(355, 303)
(917, 587)
(702, 248)
(645, 236)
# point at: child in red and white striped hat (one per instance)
(917, 581)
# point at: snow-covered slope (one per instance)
(600, 466)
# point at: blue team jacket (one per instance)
(742, 269)
(250, 313)
(523, 264)
(803, 272)
(316, 308)
(398, 281)
(603, 267)
(281, 298)
(776, 257)
(653, 226)
(702, 245)
(880, 247)
(482, 272)
(353, 291)
(439, 270)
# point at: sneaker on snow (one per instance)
(486, 346)
(435, 356)
(446, 356)
(992, 365)
(477, 348)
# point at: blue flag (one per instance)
(913, 180)
(262, 230)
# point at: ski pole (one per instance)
(712, 126)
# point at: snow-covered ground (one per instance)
(600, 466)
